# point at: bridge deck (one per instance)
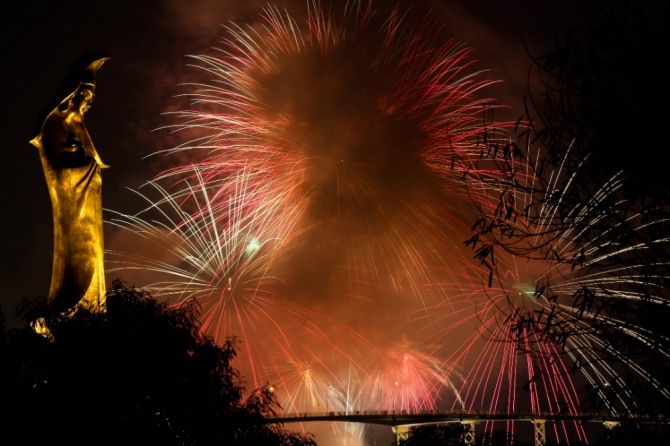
(399, 418)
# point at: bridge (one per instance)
(400, 421)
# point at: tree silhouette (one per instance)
(454, 434)
(584, 190)
(605, 95)
(630, 433)
(140, 372)
(450, 434)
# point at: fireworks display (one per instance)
(328, 173)
(567, 272)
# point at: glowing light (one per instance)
(334, 170)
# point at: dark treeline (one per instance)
(457, 434)
(138, 373)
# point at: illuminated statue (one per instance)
(72, 169)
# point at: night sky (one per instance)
(147, 42)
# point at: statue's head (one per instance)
(82, 97)
(78, 84)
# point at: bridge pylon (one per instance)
(401, 432)
(539, 433)
(609, 425)
(469, 437)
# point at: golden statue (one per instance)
(72, 168)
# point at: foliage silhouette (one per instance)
(605, 103)
(599, 185)
(605, 94)
(451, 434)
(140, 372)
(454, 434)
(629, 433)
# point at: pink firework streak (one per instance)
(357, 130)
(554, 260)
(499, 372)
(314, 363)
(540, 262)
(329, 173)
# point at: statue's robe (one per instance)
(74, 181)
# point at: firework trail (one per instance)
(358, 129)
(314, 363)
(328, 175)
(195, 253)
(563, 272)
(551, 279)
(498, 370)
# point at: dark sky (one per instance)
(148, 42)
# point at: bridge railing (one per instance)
(460, 415)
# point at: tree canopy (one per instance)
(455, 434)
(140, 372)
